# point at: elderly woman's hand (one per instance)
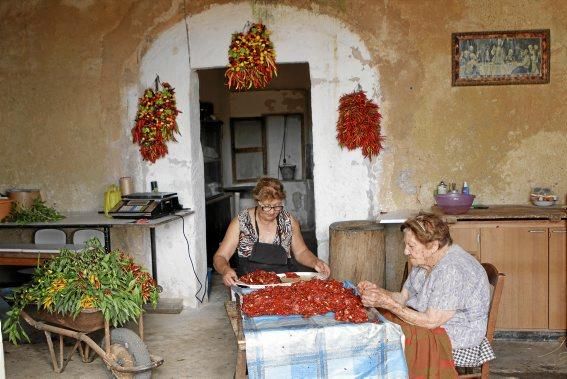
(377, 297)
(364, 285)
(322, 268)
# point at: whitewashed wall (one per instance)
(181, 171)
(344, 182)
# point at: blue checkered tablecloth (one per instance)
(321, 347)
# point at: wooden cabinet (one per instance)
(557, 278)
(521, 252)
(467, 237)
(533, 256)
(211, 137)
(217, 219)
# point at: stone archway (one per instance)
(344, 183)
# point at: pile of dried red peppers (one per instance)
(251, 59)
(359, 124)
(306, 298)
(156, 121)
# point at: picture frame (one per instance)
(500, 57)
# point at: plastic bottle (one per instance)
(154, 186)
(454, 188)
(441, 188)
(466, 190)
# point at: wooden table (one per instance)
(235, 317)
(343, 349)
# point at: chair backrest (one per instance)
(496, 280)
(50, 236)
(82, 235)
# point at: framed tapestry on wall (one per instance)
(500, 57)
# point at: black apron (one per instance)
(265, 256)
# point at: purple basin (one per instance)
(454, 203)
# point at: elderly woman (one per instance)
(265, 237)
(447, 288)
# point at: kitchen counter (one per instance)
(492, 213)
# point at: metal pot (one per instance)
(24, 197)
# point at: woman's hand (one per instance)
(229, 277)
(322, 268)
(377, 297)
(365, 285)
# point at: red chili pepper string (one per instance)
(156, 122)
(358, 125)
(252, 59)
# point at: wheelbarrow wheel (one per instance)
(128, 350)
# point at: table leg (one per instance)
(106, 232)
(153, 253)
(240, 372)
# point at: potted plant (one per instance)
(75, 283)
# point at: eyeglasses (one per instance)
(267, 208)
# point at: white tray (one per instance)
(285, 280)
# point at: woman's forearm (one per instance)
(398, 297)
(306, 258)
(220, 264)
(430, 319)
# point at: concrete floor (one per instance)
(200, 344)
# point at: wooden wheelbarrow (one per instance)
(124, 353)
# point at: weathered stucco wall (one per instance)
(70, 72)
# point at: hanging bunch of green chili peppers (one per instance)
(359, 124)
(156, 121)
(251, 59)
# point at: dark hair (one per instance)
(427, 228)
(268, 189)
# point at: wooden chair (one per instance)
(496, 280)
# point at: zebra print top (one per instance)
(248, 235)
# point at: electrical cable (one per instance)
(282, 151)
(193, 266)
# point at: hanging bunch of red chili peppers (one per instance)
(359, 124)
(251, 59)
(156, 121)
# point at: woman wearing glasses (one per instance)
(265, 237)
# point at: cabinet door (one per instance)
(521, 253)
(467, 237)
(557, 278)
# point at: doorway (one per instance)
(246, 135)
